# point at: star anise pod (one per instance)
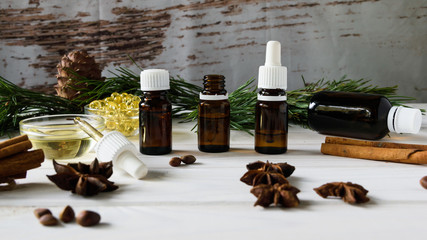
(83, 179)
(104, 168)
(349, 192)
(267, 173)
(284, 168)
(279, 194)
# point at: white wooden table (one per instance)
(206, 200)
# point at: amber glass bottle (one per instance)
(271, 111)
(271, 117)
(155, 119)
(214, 116)
(360, 115)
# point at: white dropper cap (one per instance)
(404, 120)
(114, 146)
(272, 75)
(154, 80)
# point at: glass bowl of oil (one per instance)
(59, 136)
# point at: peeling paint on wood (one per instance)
(193, 37)
(351, 35)
(137, 33)
(291, 6)
(350, 2)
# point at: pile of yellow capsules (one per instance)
(120, 111)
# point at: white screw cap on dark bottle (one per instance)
(154, 80)
(272, 75)
(404, 120)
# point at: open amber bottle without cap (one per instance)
(271, 111)
(155, 117)
(214, 116)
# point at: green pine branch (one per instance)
(18, 103)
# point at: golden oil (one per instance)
(63, 144)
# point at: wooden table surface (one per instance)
(206, 200)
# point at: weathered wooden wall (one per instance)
(384, 40)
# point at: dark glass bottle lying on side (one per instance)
(360, 115)
(214, 116)
(155, 132)
(271, 118)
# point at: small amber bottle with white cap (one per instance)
(155, 117)
(271, 111)
(360, 115)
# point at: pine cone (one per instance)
(81, 63)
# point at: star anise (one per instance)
(279, 194)
(349, 192)
(267, 173)
(83, 179)
(284, 168)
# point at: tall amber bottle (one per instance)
(214, 116)
(271, 111)
(155, 119)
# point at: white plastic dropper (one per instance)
(114, 146)
(272, 75)
(272, 54)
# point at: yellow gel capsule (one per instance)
(110, 125)
(125, 95)
(95, 104)
(122, 106)
(110, 114)
(128, 114)
(128, 104)
(118, 99)
(136, 99)
(121, 127)
(135, 104)
(126, 99)
(109, 99)
(101, 104)
(112, 106)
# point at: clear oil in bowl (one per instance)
(59, 137)
(74, 146)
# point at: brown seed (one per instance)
(423, 182)
(188, 159)
(48, 220)
(175, 161)
(88, 218)
(67, 215)
(39, 212)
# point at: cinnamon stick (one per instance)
(16, 176)
(382, 151)
(15, 148)
(20, 175)
(348, 141)
(13, 141)
(21, 162)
